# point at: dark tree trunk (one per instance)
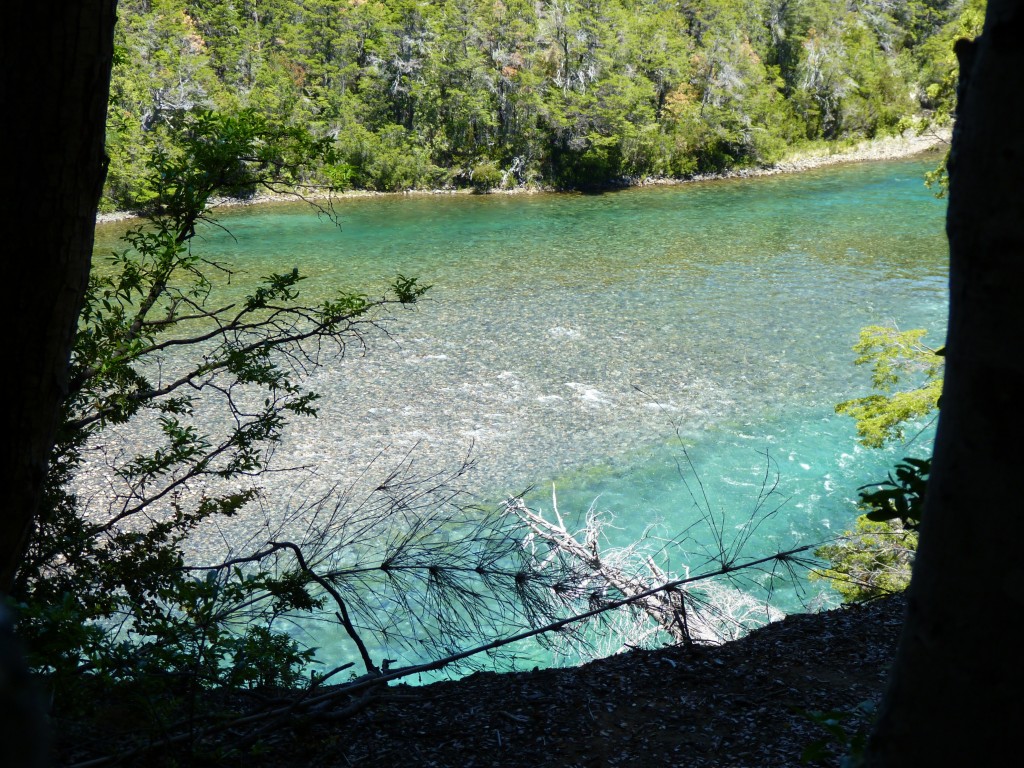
(956, 693)
(55, 65)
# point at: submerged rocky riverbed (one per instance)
(663, 353)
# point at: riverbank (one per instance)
(751, 702)
(908, 144)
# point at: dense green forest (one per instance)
(562, 93)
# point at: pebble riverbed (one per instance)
(538, 375)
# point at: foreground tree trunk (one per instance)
(955, 694)
(54, 83)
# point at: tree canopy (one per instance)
(570, 93)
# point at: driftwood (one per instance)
(664, 610)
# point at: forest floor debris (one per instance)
(744, 704)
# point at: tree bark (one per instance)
(54, 84)
(955, 693)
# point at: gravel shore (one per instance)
(886, 148)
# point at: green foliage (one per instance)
(408, 289)
(875, 558)
(900, 497)
(577, 93)
(894, 356)
(872, 560)
(263, 659)
(939, 75)
(485, 176)
(106, 598)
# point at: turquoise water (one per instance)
(586, 341)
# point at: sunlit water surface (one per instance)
(651, 352)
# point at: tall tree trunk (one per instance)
(955, 693)
(55, 65)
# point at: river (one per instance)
(619, 346)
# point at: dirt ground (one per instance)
(746, 703)
(743, 704)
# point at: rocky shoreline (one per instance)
(907, 144)
(886, 148)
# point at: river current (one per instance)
(625, 348)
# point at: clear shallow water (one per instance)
(585, 340)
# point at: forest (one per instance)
(565, 94)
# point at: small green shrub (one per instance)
(876, 557)
(485, 176)
(872, 560)
(894, 356)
